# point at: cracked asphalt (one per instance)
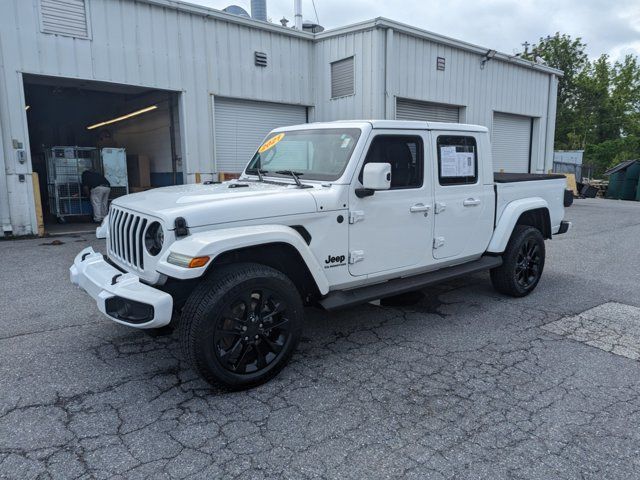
(463, 384)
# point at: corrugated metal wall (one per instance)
(147, 45)
(499, 86)
(367, 48)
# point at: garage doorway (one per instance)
(241, 125)
(511, 142)
(129, 134)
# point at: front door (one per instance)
(464, 204)
(393, 229)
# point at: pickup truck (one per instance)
(331, 214)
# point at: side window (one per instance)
(404, 153)
(457, 160)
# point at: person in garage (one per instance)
(97, 188)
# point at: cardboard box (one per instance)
(138, 189)
(139, 171)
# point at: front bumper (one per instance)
(120, 296)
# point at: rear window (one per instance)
(457, 160)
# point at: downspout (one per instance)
(547, 160)
(5, 217)
(389, 97)
(172, 139)
(5, 213)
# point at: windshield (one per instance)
(320, 154)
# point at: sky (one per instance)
(606, 26)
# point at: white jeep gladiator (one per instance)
(332, 214)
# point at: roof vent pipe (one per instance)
(259, 10)
(297, 9)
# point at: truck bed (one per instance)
(511, 187)
(499, 177)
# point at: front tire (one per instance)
(241, 325)
(522, 263)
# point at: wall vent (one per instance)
(65, 17)
(260, 59)
(342, 78)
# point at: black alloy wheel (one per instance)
(241, 325)
(252, 331)
(528, 263)
(522, 262)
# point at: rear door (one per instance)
(463, 208)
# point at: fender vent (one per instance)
(304, 233)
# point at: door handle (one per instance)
(419, 207)
(471, 202)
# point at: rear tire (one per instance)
(241, 325)
(522, 263)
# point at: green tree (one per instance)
(567, 54)
(598, 101)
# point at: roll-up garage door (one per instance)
(430, 112)
(241, 125)
(511, 142)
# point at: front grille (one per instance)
(126, 237)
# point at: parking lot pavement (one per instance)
(464, 384)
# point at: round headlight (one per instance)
(154, 238)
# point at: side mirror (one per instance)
(377, 176)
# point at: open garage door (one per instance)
(426, 111)
(511, 142)
(241, 125)
(127, 133)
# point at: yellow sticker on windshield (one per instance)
(270, 143)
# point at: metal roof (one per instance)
(621, 166)
(379, 22)
(382, 22)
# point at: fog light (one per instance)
(128, 311)
(185, 261)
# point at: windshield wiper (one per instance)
(259, 172)
(293, 175)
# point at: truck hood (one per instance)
(201, 204)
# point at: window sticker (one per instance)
(456, 164)
(346, 141)
(270, 143)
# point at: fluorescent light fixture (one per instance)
(27, 107)
(123, 117)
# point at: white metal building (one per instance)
(220, 82)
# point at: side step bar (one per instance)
(348, 298)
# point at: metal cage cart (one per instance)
(64, 179)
